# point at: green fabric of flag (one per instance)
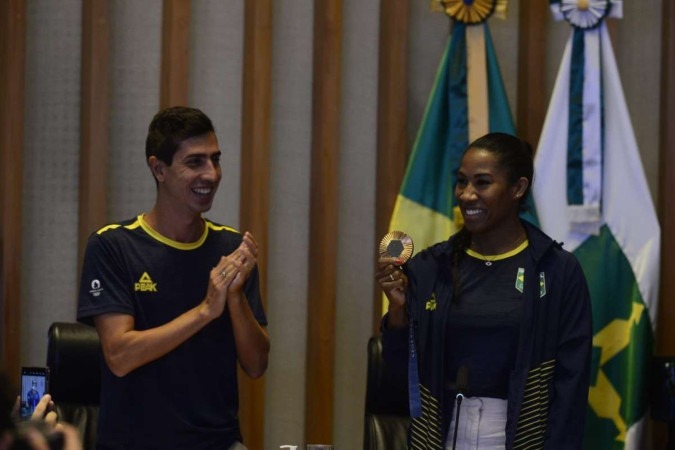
(620, 259)
(424, 207)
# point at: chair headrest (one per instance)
(73, 356)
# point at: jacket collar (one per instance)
(539, 242)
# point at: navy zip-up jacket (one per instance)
(548, 389)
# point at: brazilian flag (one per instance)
(467, 100)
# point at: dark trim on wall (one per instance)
(94, 117)
(665, 337)
(319, 397)
(532, 101)
(175, 53)
(255, 182)
(392, 119)
(12, 90)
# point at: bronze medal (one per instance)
(396, 244)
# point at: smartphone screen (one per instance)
(34, 384)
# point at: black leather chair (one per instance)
(387, 420)
(73, 357)
(662, 394)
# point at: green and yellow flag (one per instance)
(591, 193)
(467, 100)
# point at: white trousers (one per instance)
(482, 424)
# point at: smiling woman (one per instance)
(499, 286)
(493, 185)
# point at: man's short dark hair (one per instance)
(170, 127)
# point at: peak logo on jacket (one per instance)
(431, 303)
(145, 284)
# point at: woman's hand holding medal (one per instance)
(396, 248)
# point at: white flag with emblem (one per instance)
(588, 124)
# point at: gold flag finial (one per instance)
(470, 11)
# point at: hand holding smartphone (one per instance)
(34, 384)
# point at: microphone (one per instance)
(461, 385)
(462, 381)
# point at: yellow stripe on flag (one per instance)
(424, 225)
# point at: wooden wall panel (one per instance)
(94, 142)
(175, 53)
(392, 130)
(534, 17)
(665, 330)
(255, 181)
(12, 86)
(323, 221)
